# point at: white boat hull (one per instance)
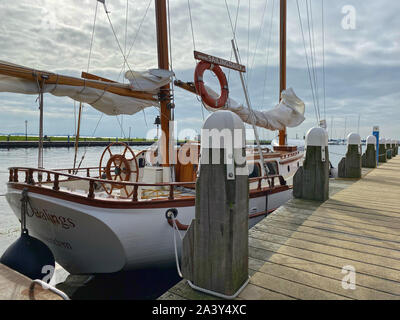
(87, 239)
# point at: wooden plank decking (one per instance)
(15, 286)
(298, 252)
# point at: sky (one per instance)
(357, 48)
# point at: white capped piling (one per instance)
(389, 149)
(382, 150)
(311, 181)
(395, 148)
(369, 156)
(350, 165)
(215, 247)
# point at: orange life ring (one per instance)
(201, 90)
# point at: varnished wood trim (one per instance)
(291, 160)
(128, 203)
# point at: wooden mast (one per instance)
(282, 54)
(163, 63)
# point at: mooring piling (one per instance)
(311, 181)
(389, 149)
(369, 156)
(395, 148)
(350, 165)
(215, 247)
(382, 150)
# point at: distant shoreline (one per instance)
(64, 142)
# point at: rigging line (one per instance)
(315, 61)
(258, 39)
(323, 58)
(308, 64)
(91, 40)
(87, 70)
(239, 60)
(74, 116)
(194, 48)
(94, 131)
(136, 34)
(191, 24)
(268, 49)
(119, 46)
(120, 125)
(233, 28)
(312, 54)
(126, 34)
(248, 40)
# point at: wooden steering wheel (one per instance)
(118, 167)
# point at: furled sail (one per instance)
(288, 113)
(109, 97)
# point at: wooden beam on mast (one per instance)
(282, 54)
(52, 78)
(163, 63)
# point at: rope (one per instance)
(308, 64)
(174, 231)
(312, 50)
(258, 39)
(118, 43)
(126, 33)
(268, 50)
(92, 38)
(233, 27)
(323, 57)
(248, 42)
(191, 23)
(136, 34)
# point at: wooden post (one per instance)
(389, 149)
(311, 181)
(396, 148)
(382, 150)
(215, 247)
(369, 156)
(350, 165)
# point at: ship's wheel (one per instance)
(118, 167)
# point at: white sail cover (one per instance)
(288, 113)
(104, 101)
(150, 80)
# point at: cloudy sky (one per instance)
(362, 64)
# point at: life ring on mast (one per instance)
(202, 91)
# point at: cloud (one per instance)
(361, 65)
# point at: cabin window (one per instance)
(272, 167)
(256, 171)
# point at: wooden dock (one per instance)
(300, 250)
(15, 286)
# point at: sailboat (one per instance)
(113, 217)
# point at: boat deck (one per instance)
(300, 250)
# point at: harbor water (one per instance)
(141, 284)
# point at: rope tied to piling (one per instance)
(171, 215)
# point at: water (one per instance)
(142, 284)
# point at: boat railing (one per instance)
(39, 177)
(88, 171)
